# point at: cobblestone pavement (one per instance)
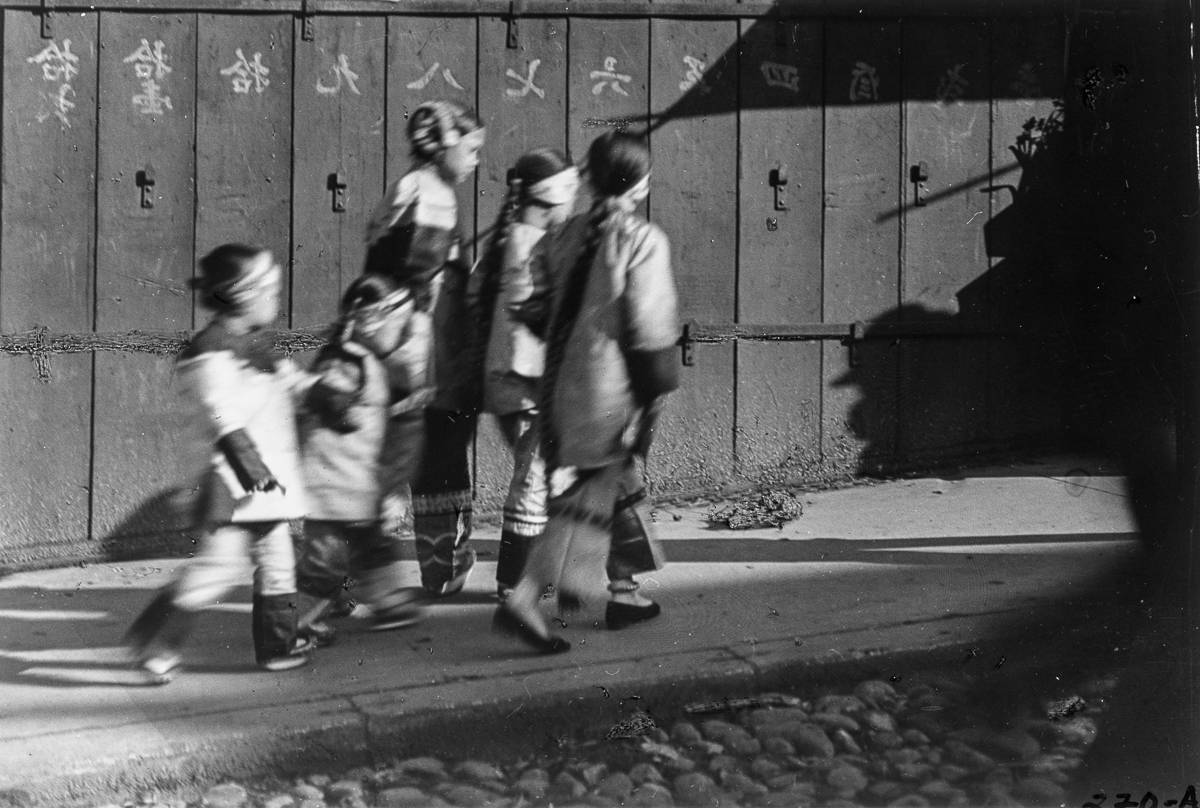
(932, 739)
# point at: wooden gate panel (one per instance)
(46, 279)
(243, 142)
(943, 381)
(523, 101)
(144, 259)
(862, 191)
(693, 196)
(338, 137)
(1023, 237)
(779, 275)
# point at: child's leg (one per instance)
(376, 562)
(274, 613)
(635, 550)
(442, 502)
(160, 631)
(525, 508)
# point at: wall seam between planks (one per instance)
(91, 489)
(737, 238)
(296, 26)
(823, 31)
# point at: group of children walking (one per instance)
(564, 330)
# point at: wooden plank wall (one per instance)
(241, 123)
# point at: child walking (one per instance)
(253, 485)
(413, 240)
(541, 193)
(610, 359)
(342, 432)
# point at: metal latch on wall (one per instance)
(512, 39)
(47, 23)
(145, 181)
(918, 175)
(778, 179)
(337, 188)
(308, 31)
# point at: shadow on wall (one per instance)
(162, 526)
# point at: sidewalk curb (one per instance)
(464, 718)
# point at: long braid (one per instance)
(562, 323)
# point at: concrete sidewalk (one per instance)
(889, 567)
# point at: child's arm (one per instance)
(337, 388)
(530, 305)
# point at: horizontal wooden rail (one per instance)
(712, 9)
(40, 344)
(851, 333)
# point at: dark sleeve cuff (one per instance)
(244, 458)
(652, 373)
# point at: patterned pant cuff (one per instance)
(623, 585)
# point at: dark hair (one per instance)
(432, 121)
(365, 291)
(617, 161)
(219, 270)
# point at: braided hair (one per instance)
(616, 163)
(436, 126)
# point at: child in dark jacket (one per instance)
(342, 435)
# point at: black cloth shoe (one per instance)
(508, 624)
(319, 633)
(273, 626)
(620, 615)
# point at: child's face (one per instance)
(381, 333)
(263, 307)
(459, 161)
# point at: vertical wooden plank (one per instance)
(694, 199)
(243, 139)
(338, 124)
(943, 382)
(47, 280)
(144, 258)
(523, 101)
(610, 71)
(1023, 237)
(779, 263)
(862, 191)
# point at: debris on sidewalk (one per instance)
(774, 508)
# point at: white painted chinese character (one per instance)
(60, 105)
(340, 70)
(526, 82)
(150, 101)
(695, 75)
(610, 78)
(953, 86)
(57, 65)
(147, 62)
(785, 76)
(423, 82)
(244, 73)
(864, 83)
(1027, 84)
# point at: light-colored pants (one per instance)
(224, 555)
(599, 525)
(525, 508)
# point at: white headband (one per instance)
(557, 189)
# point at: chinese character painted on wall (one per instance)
(58, 65)
(341, 71)
(526, 82)
(952, 86)
(245, 74)
(150, 65)
(694, 76)
(864, 83)
(423, 82)
(609, 78)
(778, 75)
